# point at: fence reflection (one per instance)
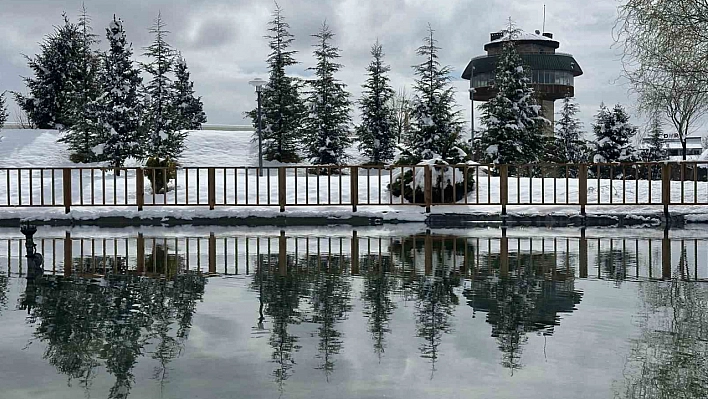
(614, 259)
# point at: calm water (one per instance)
(368, 314)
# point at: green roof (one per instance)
(550, 62)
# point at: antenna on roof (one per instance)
(544, 18)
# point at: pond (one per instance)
(377, 312)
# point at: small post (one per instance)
(428, 253)
(282, 254)
(504, 254)
(583, 187)
(282, 198)
(140, 188)
(212, 253)
(141, 254)
(211, 187)
(68, 256)
(66, 188)
(355, 253)
(583, 254)
(428, 189)
(666, 256)
(504, 187)
(666, 190)
(354, 189)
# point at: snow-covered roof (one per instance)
(523, 36)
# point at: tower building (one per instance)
(552, 74)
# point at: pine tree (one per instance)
(436, 126)
(56, 70)
(613, 134)
(282, 108)
(512, 119)
(163, 140)
(83, 136)
(327, 125)
(119, 108)
(655, 151)
(376, 132)
(3, 110)
(568, 133)
(190, 112)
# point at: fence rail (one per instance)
(578, 185)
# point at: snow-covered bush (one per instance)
(448, 182)
(165, 171)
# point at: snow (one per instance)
(326, 196)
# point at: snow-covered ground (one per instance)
(241, 192)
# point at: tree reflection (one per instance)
(379, 286)
(434, 289)
(670, 357)
(280, 289)
(4, 283)
(526, 299)
(111, 321)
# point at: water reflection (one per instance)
(111, 322)
(109, 304)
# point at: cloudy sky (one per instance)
(222, 40)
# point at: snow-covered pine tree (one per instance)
(282, 108)
(376, 133)
(3, 110)
(56, 68)
(327, 125)
(435, 124)
(435, 134)
(568, 133)
(512, 119)
(655, 150)
(613, 134)
(162, 140)
(119, 108)
(83, 135)
(190, 112)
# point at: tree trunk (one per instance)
(683, 147)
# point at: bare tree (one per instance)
(665, 58)
(401, 105)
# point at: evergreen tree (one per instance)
(3, 111)
(282, 108)
(119, 107)
(50, 102)
(163, 140)
(512, 119)
(613, 134)
(190, 113)
(327, 125)
(655, 150)
(568, 133)
(376, 132)
(436, 127)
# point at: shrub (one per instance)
(164, 171)
(445, 189)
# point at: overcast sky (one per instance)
(222, 40)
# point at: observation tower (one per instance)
(552, 74)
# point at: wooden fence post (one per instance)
(68, 256)
(282, 197)
(355, 253)
(66, 188)
(211, 187)
(583, 254)
(504, 254)
(354, 189)
(212, 253)
(282, 254)
(666, 190)
(140, 248)
(504, 187)
(428, 253)
(139, 188)
(665, 256)
(427, 189)
(583, 187)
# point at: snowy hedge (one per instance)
(448, 182)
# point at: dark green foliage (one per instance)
(655, 150)
(282, 107)
(162, 139)
(443, 188)
(3, 110)
(569, 143)
(379, 286)
(327, 126)
(376, 133)
(189, 109)
(513, 123)
(436, 126)
(160, 173)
